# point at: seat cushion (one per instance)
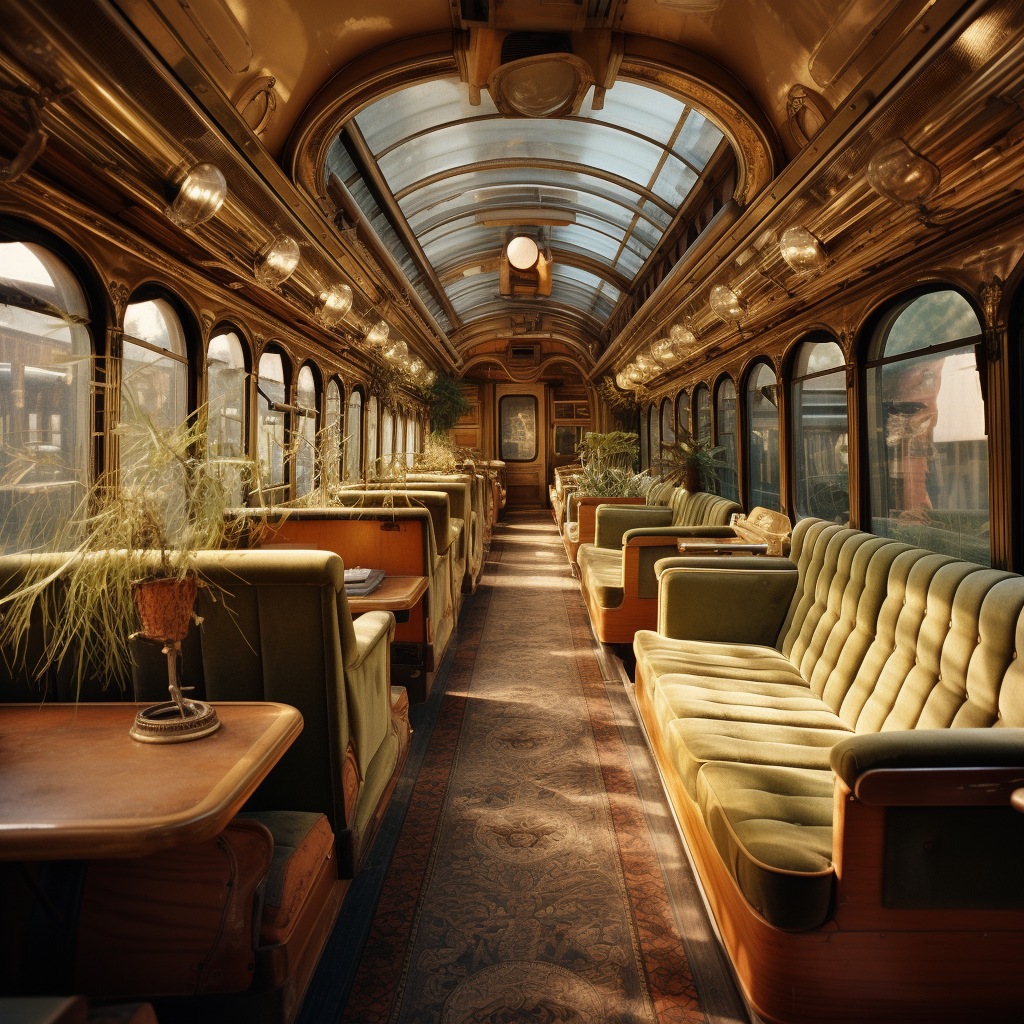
(773, 828)
(601, 574)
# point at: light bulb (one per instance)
(200, 196)
(377, 335)
(665, 353)
(417, 367)
(633, 375)
(898, 173)
(396, 350)
(277, 262)
(647, 366)
(334, 304)
(621, 381)
(522, 252)
(429, 378)
(726, 304)
(801, 250)
(684, 341)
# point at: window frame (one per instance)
(744, 425)
(536, 427)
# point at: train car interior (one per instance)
(511, 512)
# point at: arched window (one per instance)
(331, 432)
(668, 422)
(270, 424)
(226, 406)
(154, 373)
(927, 449)
(372, 447)
(645, 441)
(654, 419)
(702, 401)
(683, 411)
(305, 430)
(725, 421)
(763, 438)
(44, 395)
(387, 441)
(354, 436)
(410, 441)
(821, 440)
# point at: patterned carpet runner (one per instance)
(525, 886)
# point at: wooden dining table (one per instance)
(75, 785)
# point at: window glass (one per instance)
(566, 439)
(226, 390)
(932, 319)
(763, 438)
(725, 420)
(387, 442)
(270, 424)
(645, 442)
(683, 411)
(517, 415)
(45, 372)
(927, 452)
(410, 441)
(305, 432)
(372, 447)
(354, 436)
(821, 440)
(653, 418)
(668, 422)
(702, 398)
(330, 434)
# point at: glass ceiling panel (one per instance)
(469, 291)
(644, 110)
(577, 142)
(698, 139)
(469, 183)
(462, 245)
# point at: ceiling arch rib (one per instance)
(598, 190)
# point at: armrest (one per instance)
(679, 532)
(732, 599)
(371, 629)
(614, 520)
(932, 767)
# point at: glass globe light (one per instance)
(901, 175)
(396, 351)
(683, 339)
(429, 377)
(277, 262)
(801, 250)
(540, 88)
(726, 304)
(377, 335)
(334, 304)
(621, 381)
(417, 368)
(522, 252)
(201, 195)
(633, 375)
(665, 353)
(647, 366)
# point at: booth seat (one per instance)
(839, 733)
(559, 491)
(470, 506)
(401, 535)
(617, 565)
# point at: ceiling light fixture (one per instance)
(334, 304)
(647, 366)
(523, 252)
(199, 197)
(277, 261)
(801, 250)
(377, 335)
(726, 304)
(901, 175)
(396, 351)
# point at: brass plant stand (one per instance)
(165, 610)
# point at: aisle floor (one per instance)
(530, 869)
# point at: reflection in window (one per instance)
(725, 420)
(518, 417)
(270, 425)
(702, 399)
(372, 449)
(821, 440)
(305, 432)
(44, 395)
(668, 422)
(330, 434)
(225, 431)
(567, 438)
(655, 433)
(683, 411)
(354, 436)
(763, 438)
(927, 451)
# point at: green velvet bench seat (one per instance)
(840, 733)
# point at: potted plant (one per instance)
(123, 565)
(690, 463)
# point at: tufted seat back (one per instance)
(698, 508)
(894, 637)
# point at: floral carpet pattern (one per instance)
(525, 886)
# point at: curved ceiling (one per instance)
(599, 189)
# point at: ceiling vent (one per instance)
(519, 45)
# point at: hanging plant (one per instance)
(447, 402)
(386, 383)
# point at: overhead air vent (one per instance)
(476, 10)
(523, 355)
(518, 45)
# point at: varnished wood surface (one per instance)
(880, 966)
(395, 594)
(76, 785)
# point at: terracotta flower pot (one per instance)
(165, 608)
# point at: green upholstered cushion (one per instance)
(613, 521)
(773, 828)
(601, 574)
(698, 508)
